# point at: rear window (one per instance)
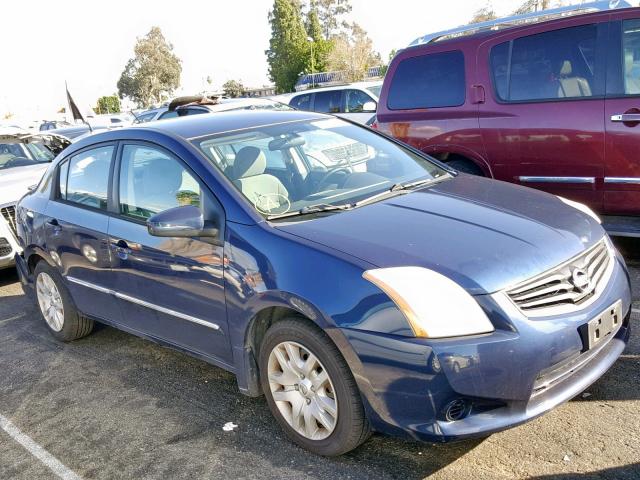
(428, 81)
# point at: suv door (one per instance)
(76, 227)
(622, 119)
(169, 288)
(354, 102)
(542, 121)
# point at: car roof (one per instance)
(194, 126)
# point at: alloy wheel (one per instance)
(50, 301)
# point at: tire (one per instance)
(68, 324)
(466, 166)
(350, 425)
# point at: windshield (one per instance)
(296, 166)
(23, 154)
(375, 90)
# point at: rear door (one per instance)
(622, 118)
(542, 121)
(170, 288)
(76, 230)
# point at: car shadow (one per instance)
(626, 472)
(8, 276)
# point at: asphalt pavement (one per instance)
(114, 406)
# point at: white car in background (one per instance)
(24, 157)
(353, 101)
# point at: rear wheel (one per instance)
(466, 166)
(56, 306)
(310, 389)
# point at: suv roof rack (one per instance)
(516, 20)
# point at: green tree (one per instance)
(353, 53)
(321, 47)
(385, 67)
(288, 47)
(329, 13)
(108, 104)
(233, 88)
(153, 73)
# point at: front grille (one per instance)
(9, 214)
(353, 151)
(570, 284)
(5, 247)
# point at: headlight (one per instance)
(434, 305)
(582, 207)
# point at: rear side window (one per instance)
(631, 56)
(428, 81)
(327, 102)
(84, 179)
(551, 65)
(301, 102)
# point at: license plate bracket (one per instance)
(602, 326)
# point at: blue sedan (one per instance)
(355, 282)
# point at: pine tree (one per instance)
(288, 48)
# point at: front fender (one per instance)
(267, 268)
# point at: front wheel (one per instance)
(310, 389)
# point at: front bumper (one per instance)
(8, 245)
(408, 383)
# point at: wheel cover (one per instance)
(50, 301)
(302, 390)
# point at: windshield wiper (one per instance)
(311, 210)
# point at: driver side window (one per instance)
(152, 181)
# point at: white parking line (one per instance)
(51, 462)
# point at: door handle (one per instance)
(626, 117)
(55, 226)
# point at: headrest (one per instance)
(566, 69)
(162, 176)
(249, 161)
(628, 61)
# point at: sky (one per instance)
(87, 43)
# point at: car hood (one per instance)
(483, 234)
(15, 181)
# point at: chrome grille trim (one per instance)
(555, 292)
(9, 214)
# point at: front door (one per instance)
(622, 119)
(76, 230)
(542, 121)
(169, 288)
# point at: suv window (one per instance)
(631, 56)
(327, 102)
(151, 181)
(355, 99)
(301, 102)
(546, 66)
(84, 178)
(428, 81)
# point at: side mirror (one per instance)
(185, 221)
(369, 107)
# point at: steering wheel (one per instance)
(329, 174)
(15, 161)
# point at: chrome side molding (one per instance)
(534, 179)
(625, 180)
(144, 303)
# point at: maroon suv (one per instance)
(553, 105)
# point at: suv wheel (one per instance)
(466, 166)
(310, 389)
